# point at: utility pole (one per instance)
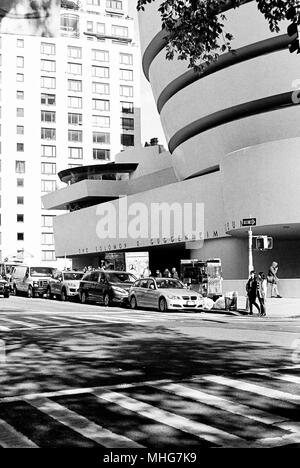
(251, 267)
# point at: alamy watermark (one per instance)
(144, 221)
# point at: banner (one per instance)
(30, 18)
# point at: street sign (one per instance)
(249, 222)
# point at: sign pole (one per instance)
(251, 267)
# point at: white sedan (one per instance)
(163, 294)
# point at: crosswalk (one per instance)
(49, 319)
(257, 409)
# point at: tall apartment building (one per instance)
(66, 101)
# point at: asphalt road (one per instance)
(74, 375)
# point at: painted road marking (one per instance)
(220, 403)
(203, 431)
(82, 425)
(10, 438)
(252, 388)
(18, 322)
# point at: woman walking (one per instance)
(262, 293)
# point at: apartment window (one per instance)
(48, 116)
(100, 88)
(47, 221)
(127, 123)
(20, 236)
(48, 186)
(74, 119)
(20, 200)
(101, 105)
(101, 154)
(20, 182)
(75, 102)
(127, 140)
(89, 26)
(75, 153)
(20, 77)
(48, 48)
(114, 4)
(126, 59)
(126, 91)
(119, 31)
(101, 28)
(48, 255)
(101, 138)
(48, 65)
(20, 130)
(101, 121)
(20, 167)
(47, 238)
(48, 151)
(20, 94)
(20, 147)
(75, 135)
(20, 62)
(20, 218)
(100, 72)
(127, 107)
(75, 68)
(20, 43)
(48, 99)
(126, 75)
(69, 24)
(48, 133)
(20, 112)
(48, 168)
(75, 85)
(48, 82)
(74, 52)
(100, 55)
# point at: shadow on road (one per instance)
(50, 360)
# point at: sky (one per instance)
(151, 126)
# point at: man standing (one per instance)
(262, 292)
(273, 280)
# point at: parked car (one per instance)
(163, 294)
(31, 280)
(4, 287)
(64, 285)
(105, 286)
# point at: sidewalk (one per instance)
(279, 308)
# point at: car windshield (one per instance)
(72, 276)
(41, 271)
(121, 278)
(169, 284)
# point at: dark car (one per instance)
(4, 288)
(105, 286)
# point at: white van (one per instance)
(31, 280)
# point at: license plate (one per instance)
(190, 303)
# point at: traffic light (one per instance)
(264, 243)
(293, 29)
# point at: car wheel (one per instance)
(63, 295)
(83, 298)
(30, 292)
(133, 303)
(162, 305)
(49, 294)
(106, 299)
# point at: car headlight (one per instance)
(173, 297)
(120, 290)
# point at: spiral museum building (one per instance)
(234, 145)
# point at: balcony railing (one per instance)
(70, 4)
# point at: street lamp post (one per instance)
(251, 267)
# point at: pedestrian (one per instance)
(167, 273)
(262, 289)
(158, 274)
(251, 288)
(273, 280)
(146, 272)
(174, 273)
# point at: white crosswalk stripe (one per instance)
(279, 429)
(82, 425)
